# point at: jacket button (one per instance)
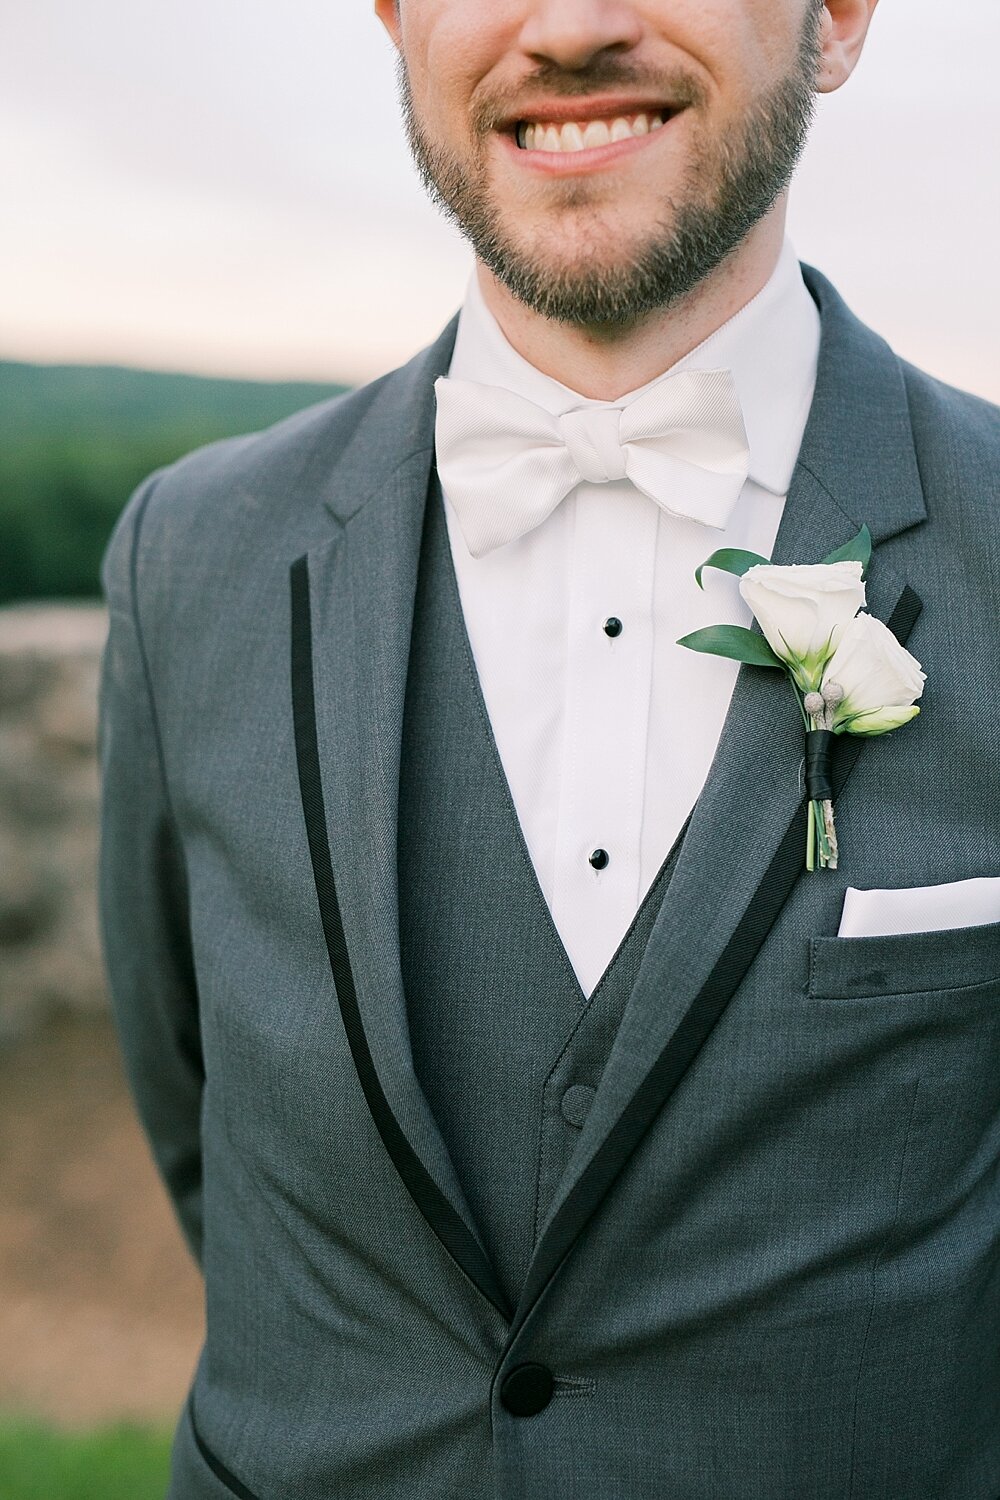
(575, 1103)
(527, 1389)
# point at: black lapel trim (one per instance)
(449, 1227)
(218, 1468)
(701, 1016)
(903, 619)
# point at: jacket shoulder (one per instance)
(957, 444)
(316, 435)
(943, 413)
(243, 508)
(248, 485)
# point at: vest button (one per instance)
(527, 1389)
(575, 1103)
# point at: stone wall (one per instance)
(49, 947)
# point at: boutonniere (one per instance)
(849, 673)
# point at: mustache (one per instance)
(604, 74)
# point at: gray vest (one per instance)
(506, 1046)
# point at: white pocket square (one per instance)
(921, 908)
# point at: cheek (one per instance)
(453, 47)
(777, 27)
(741, 46)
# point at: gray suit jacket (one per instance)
(771, 1266)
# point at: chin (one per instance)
(575, 253)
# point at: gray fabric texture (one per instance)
(792, 1289)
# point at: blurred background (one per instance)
(210, 220)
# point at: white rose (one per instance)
(803, 611)
(879, 678)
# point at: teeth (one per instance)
(596, 134)
(585, 136)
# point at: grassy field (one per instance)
(119, 1463)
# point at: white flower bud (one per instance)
(881, 720)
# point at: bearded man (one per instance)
(545, 1131)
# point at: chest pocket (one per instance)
(961, 959)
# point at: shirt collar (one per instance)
(771, 346)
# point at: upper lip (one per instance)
(565, 111)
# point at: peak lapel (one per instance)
(352, 602)
(743, 848)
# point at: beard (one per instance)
(729, 185)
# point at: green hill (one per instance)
(75, 440)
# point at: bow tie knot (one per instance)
(593, 439)
(505, 463)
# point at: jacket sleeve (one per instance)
(142, 892)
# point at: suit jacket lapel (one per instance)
(857, 464)
(352, 601)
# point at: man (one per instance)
(543, 1129)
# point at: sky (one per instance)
(223, 186)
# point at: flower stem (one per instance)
(798, 699)
(831, 834)
(811, 838)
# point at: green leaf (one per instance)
(730, 560)
(735, 642)
(858, 549)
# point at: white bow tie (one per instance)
(505, 463)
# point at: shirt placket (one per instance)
(607, 697)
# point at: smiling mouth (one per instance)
(570, 136)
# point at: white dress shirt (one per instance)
(605, 740)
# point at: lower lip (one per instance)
(572, 163)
